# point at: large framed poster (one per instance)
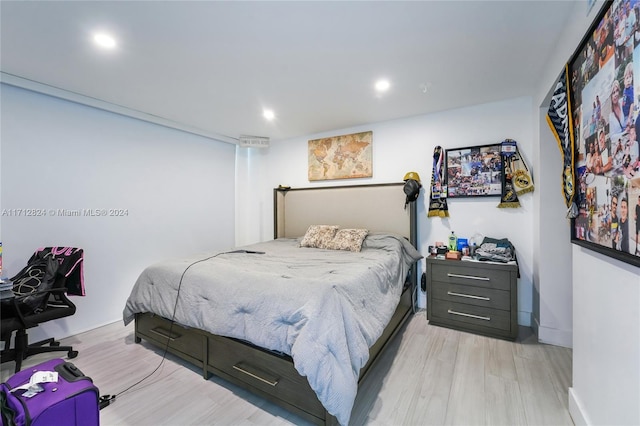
(604, 89)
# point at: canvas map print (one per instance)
(341, 157)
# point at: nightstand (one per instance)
(479, 297)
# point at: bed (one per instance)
(294, 323)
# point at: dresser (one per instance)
(473, 296)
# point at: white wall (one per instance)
(252, 201)
(552, 290)
(177, 187)
(606, 351)
(406, 145)
(605, 292)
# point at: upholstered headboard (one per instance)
(378, 207)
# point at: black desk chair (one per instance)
(47, 302)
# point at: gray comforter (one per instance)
(325, 308)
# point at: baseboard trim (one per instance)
(576, 411)
(553, 336)
(535, 325)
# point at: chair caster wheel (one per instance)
(54, 344)
(72, 354)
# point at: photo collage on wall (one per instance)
(605, 89)
(474, 171)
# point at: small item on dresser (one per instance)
(453, 241)
(496, 250)
(453, 255)
(441, 250)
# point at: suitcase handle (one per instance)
(70, 372)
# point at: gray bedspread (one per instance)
(325, 308)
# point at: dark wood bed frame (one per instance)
(270, 374)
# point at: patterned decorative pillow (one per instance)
(318, 236)
(348, 239)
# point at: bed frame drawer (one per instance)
(268, 372)
(185, 342)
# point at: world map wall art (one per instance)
(341, 157)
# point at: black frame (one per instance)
(601, 71)
(474, 177)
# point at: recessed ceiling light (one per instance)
(104, 40)
(268, 114)
(382, 85)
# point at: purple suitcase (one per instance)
(72, 400)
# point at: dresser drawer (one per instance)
(264, 371)
(185, 340)
(457, 273)
(457, 313)
(472, 295)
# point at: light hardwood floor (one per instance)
(429, 376)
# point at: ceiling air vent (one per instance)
(254, 141)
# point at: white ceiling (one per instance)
(213, 66)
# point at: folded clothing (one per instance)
(496, 250)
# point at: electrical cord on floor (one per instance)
(107, 399)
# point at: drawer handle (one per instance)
(470, 296)
(468, 315)
(166, 336)
(471, 277)
(255, 376)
